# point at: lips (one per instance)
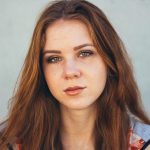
(74, 90)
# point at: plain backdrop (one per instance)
(130, 18)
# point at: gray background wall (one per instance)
(131, 19)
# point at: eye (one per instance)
(53, 59)
(86, 53)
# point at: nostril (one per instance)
(72, 73)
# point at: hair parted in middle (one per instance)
(39, 119)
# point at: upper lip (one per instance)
(74, 88)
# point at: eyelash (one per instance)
(86, 53)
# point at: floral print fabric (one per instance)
(139, 134)
(136, 142)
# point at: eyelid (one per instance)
(49, 58)
(88, 51)
(91, 52)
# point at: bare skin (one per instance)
(77, 128)
(67, 63)
(148, 148)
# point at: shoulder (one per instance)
(139, 134)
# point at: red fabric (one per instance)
(135, 141)
(19, 146)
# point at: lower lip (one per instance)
(74, 92)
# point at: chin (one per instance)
(78, 106)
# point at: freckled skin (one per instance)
(72, 69)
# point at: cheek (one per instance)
(99, 78)
(52, 78)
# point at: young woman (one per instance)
(76, 90)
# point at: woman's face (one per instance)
(74, 71)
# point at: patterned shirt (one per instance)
(139, 136)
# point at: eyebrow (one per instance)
(75, 48)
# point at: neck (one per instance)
(77, 126)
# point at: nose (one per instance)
(71, 70)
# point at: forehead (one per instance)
(67, 33)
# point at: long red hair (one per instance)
(34, 115)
